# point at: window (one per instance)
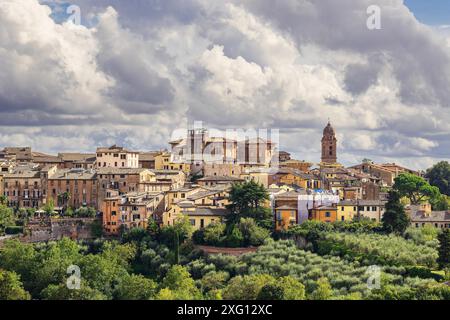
(374, 208)
(116, 155)
(192, 221)
(328, 214)
(342, 218)
(123, 156)
(342, 208)
(113, 213)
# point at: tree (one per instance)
(246, 287)
(415, 188)
(323, 290)
(439, 176)
(292, 288)
(180, 282)
(63, 199)
(6, 218)
(49, 207)
(395, 218)
(20, 258)
(165, 294)
(252, 234)
(135, 287)
(61, 292)
(214, 280)
(11, 288)
(271, 291)
(214, 233)
(246, 199)
(3, 200)
(440, 203)
(444, 249)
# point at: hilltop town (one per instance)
(125, 188)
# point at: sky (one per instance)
(431, 12)
(135, 71)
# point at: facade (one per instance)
(122, 180)
(423, 215)
(199, 216)
(285, 216)
(130, 210)
(147, 159)
(371, 209)
(326, 214)
(77, 160)
(163, 162)
(302, 201)
(73, 188)
(116, 157)
(23, 187)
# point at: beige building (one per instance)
(422, 215)
(199, 216)
(116, 157)
(23, 187)
(200, 147)
(163, 162)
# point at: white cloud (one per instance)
(145, 68)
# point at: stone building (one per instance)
(23, 187)
(78, 184)
(116, 157)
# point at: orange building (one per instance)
(131, 210)
(290, 177)
(324, 214)
(285, 216)
(80, 185)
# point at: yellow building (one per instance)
(347, 210)
(324, 214)
(199, 216)
(163, 162)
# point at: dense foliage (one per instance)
(377, 249)
(439, 176)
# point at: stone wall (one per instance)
(55, 229)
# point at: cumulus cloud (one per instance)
(136, 70)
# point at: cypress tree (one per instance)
(395, 218)
(444, 249)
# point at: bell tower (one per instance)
(329, 145)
